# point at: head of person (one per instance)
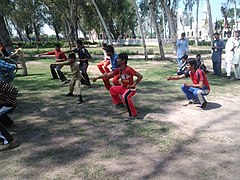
(216, 35)
(198, 56)
(228, 33)
(122, 59)
(79, 43)
(71, 57)
(184, 58)
(183, 35)
(57, 46)
(237, 34)
(104, 46)
(109, 50)
(191, 64)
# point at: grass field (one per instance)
(62, 140)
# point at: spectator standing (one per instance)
(236, 58)
(182, 48)
(217, 47)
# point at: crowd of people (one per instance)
(123, 85)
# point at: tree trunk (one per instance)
(154, 20)
(102, 21)
(171, 24)
(210, 24)
(196, 32)
(141, 29)
(4, 35)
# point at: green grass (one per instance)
(55, 133)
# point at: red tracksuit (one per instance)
(126, 76)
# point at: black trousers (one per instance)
(83, 68)
(58, 69)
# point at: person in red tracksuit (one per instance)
(127, 89)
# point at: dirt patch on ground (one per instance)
(58, 140)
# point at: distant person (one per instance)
(199, 86)
(122, 94)
(60, 57)
(182, 48)
(3, 50)
(103, 65)
(236, 57)
(200, 63)
(183, 69)
(18, 53)
(217, 47)
(76, 76)
(84, 57)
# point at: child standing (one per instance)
(76, 76)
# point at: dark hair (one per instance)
(123, 56)
(57, 45)
(216, 33)
(192, 62)
(72, 55)
(183, 34)
(184, 57)
(109, 48)
(79, 41)
(104, 44)
(198, 55)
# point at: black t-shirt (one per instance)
(82, 54)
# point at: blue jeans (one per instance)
(195, 93)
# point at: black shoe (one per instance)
(204, 104)
(120, 106)
(80, 100)
(69, 94)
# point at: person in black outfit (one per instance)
(83, 56)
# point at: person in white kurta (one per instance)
(229, 49)
(236, 58)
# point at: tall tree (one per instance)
(102, 21)
(141, 30)
(5, 6)
(210, 24)
(154, 20)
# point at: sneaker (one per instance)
(129, 118)
(204, 104)
(120, 106)
(80, 101)
(69, 94)
(10, 145)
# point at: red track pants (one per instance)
(126, 94)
